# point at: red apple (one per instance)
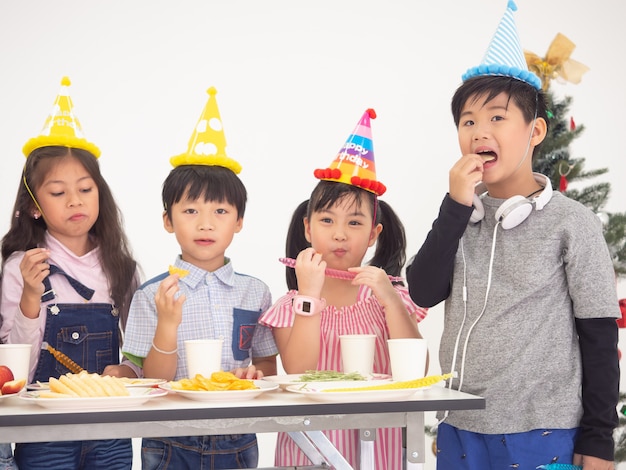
(5, 375)
(13, 386)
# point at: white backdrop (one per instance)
(293, 78)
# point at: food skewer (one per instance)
(62, 358)
(334, 273)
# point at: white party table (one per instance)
(300, 416)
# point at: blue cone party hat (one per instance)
(505, 56)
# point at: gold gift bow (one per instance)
(556, 63)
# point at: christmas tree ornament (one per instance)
(207, 145)
(621, 322)
(62, 127)
(563, 176)
(557, 63)
(354, 164)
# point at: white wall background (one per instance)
(293, 78)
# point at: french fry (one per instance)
(85, 385)
(75, 385)
(93, 384)
(113, 385)
(218, 382)
(57, 386)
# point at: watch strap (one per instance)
(308, 306)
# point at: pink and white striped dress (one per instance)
(365, 316)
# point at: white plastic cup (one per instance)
(17, 358)
(357, 353)
(203, 356)
(408, 358)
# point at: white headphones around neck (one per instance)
(516, 209)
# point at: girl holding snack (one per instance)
(68, 277)
(334, 229)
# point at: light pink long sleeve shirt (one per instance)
(16, 328)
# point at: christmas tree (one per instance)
(554, 159)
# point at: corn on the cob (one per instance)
(63, 359)
(417, 383)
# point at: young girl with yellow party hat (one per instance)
(67, 276)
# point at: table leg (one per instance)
(367, 437)
(319, 449)
(415, 440)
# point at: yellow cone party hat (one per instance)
(62, 127)
(354, 164)
(207, 145)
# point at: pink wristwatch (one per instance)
(308, 306)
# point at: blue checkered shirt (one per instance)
(220, 303)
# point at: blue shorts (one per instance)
(464, 450)
(175, 453)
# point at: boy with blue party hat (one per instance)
(201, 296)
(528, 284)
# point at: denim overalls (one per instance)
(88, 334)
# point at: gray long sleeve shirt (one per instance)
(544, 351)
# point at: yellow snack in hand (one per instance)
(181, 272)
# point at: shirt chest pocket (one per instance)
(244, 325)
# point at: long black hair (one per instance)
(27, 232)
(390, 253)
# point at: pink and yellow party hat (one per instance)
(354, 164)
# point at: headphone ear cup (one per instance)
(479, 210)
(513, 211)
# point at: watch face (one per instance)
(306, 306)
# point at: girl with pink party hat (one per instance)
(334, 229)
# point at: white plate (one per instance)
(2, 397)
(285, 381)
(128, 382)
(316, 391)
(131, 383)
(226, 395)
(35, 386)
(137, 396)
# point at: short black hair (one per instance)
(525, 96)
(213, 183)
